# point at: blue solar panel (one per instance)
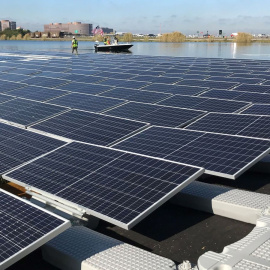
(24, 227)
(19, 146)
(116, 75)
(37, 93)
(259, 109)
(222, 155)
(155, 79)
(83, 78)
(89, 127)
(4, 98)
(119, 187)
(156, 114)
(24, 71)
(135, 95)
(13, 77)
(52, 74)
(206, 104)
(238, 95)
(85, 88)
(175, 89)
(235, 124)
(26, 112)
(253, 88)
(132, 84)
(45, 81)
(87, 102)
(6, 86)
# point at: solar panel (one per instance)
(45, 81)
(26, 112)
(4, 98)
(259, 109)
(85, 88)
(135, 95)
(219, 84)
(253, 88)
(118, 187)
(222, 155)
(156, 79)
(24, 71)
(132, 84)
(24, 227)
(156, 114)
(237, 95)
(19, 146)
(37, 93)
(89, 127)
(175, 89)
(206, 104)
(13, 77)
(87, 102)
(235, 124)
(83, 78)
(52, 74)
(6, 86)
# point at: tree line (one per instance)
(17, 34)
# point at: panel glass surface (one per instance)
(22, 225)
(223, 155)
(87, 102)
(89, 127)
(156, 114)
(26, 112)
(113, 185)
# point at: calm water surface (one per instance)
(195, 49)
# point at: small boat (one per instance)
(113, 47)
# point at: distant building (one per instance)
(7, 24)
(107, 30)
(69, 28)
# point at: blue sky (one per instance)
(148, 16)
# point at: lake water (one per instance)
(195, 49)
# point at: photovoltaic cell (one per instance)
(206, 104)
(89, 127)
(24, 227)
(26, 112)
(87, 102)
(156, 114)
(223, 155)
(119, 187)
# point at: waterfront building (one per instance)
(69, 28)
(7, 24)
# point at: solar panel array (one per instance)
(24, 226)
(107, 99)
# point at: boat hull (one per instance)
(113, 48)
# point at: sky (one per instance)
(145, 16)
